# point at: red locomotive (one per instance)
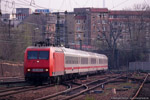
(55, 63)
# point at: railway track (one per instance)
(17, 90)
(77, 85)
(12, 82)
(78, 90)
(137, 94)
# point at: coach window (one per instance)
(76, 60)
(100, 61)
(105, 61)
(68, 59)
(93, 61)
(32, 54)
(84, 60)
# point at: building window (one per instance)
(104, 15)
(84, 21)
(99, 15)
(83, 27)
(78, 21)
(111, 16)
(78, 35)
(103, 22)
(98, 21)
(78, 28)
(104, 28)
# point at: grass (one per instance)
(89, 97)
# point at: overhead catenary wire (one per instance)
(62, 3)
(86, 3)
(147, 3)
(70, 4)
(24, 4)
(0, 8)
(112, 3)
(76, 3)
(119, 4)
(44, 25)
(32, 2)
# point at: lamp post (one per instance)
(80, 41)
(33, 38)
(80, 44)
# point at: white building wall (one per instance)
(145, 66)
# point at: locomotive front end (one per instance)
(36, 64)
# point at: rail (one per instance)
(86, 88)
(141, 86)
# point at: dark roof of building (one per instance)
(99, 10)
(80, 17)
(122, 12)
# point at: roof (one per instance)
(80, 17)
(99, 10)
(69, 51)
(121, 12)
(82, 53)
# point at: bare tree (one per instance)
(139, 28)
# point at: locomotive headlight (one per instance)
(46, 70)
(28, 70)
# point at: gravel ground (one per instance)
(30, 95)
(109, 94)
(145, 92)
(124, 90)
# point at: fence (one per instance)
(11, 70)
(144, 66)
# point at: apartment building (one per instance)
(22, 13)
(129, 25)
(86, 26)
(90, 23)
(50, 31)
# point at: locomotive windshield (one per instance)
(38, 54)
(43, 54)
(32, 54)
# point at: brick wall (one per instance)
(11, 70)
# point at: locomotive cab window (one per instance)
(32, 54)
(38, 55)
(43, 54)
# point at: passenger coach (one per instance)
(55, 63)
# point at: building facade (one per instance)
(50, 31)
(90, 24)
(22, 13)
(132, 27)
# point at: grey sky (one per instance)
(62, 5)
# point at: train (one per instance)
(54, 64)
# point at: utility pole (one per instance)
(58, 31)
(103, 3)
(0, 9)
(9, 27)
(80, 44)
(33, 37)
(66, 31)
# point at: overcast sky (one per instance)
(62, 5)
